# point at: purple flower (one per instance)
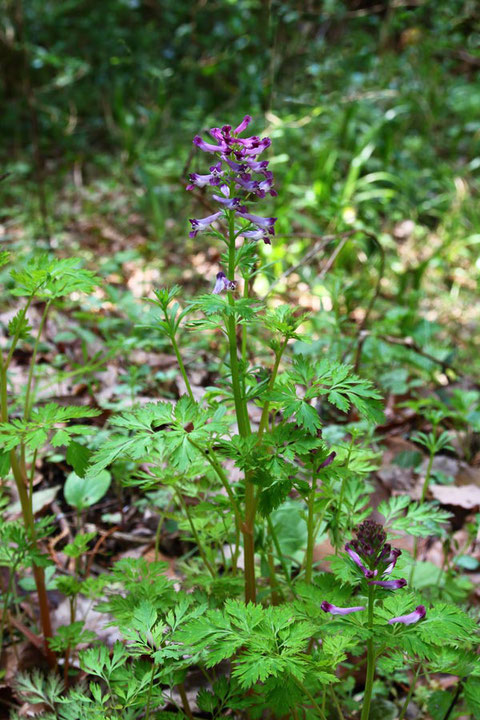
(389, 584)
(334, 610)
(392, 560)
(265, 186)
(237, 167)
(208, 147)
(243, 125)
(223, 283)
(247, 183)
(236, 178)
(358, 561)
(202, 223)
(371, 551)
(230, 203)
(251, 146)
(257, 235)
(213, 177)
(259, 166)
(261, 222)
(411, 618)
(222, 135)
(328, 460)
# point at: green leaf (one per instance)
(50, 278)
(78, 456)
(472, 696)
(420, 519)
(438, 704)
(81, 493)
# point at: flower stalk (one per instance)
(367, 698)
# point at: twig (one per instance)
(320, 245)
(455, 697)
(98, 544)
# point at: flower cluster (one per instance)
(375, 558)
(237, 176)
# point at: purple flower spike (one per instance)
(202, 223)
(389, 584)
(243, 125)
(411, 618)
(334, 610)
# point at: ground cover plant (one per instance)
(239, 452)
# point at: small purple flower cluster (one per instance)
(234, 176)
(375, 558)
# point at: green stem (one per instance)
(28, 404)
(310, 530)
(195, 534)
(186, 705)
(181, 366)
(276, 591)
(370, 658)
(248, 526)
(410, 693)
(3, 390)
(209, 456)
(281, 560)
(311, 698)
(340, 498)
(244, 326)
(149, 693)
(337, 704)
(38, 572)
(6, 600)
(16, 337)
(264, 417)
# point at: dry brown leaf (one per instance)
(466, 496)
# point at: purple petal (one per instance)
(246, 182)
(392, 559)
(358, 561)
(202, 180)
(243, 125)
(257, 165)
(230, 203)
(257, 235)
(264, 223)
(411, 618)
(237, 167)
(220, 284)
(389, 584)
(334, 610)
(208, 147)
(202, 223)
(329, 459)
